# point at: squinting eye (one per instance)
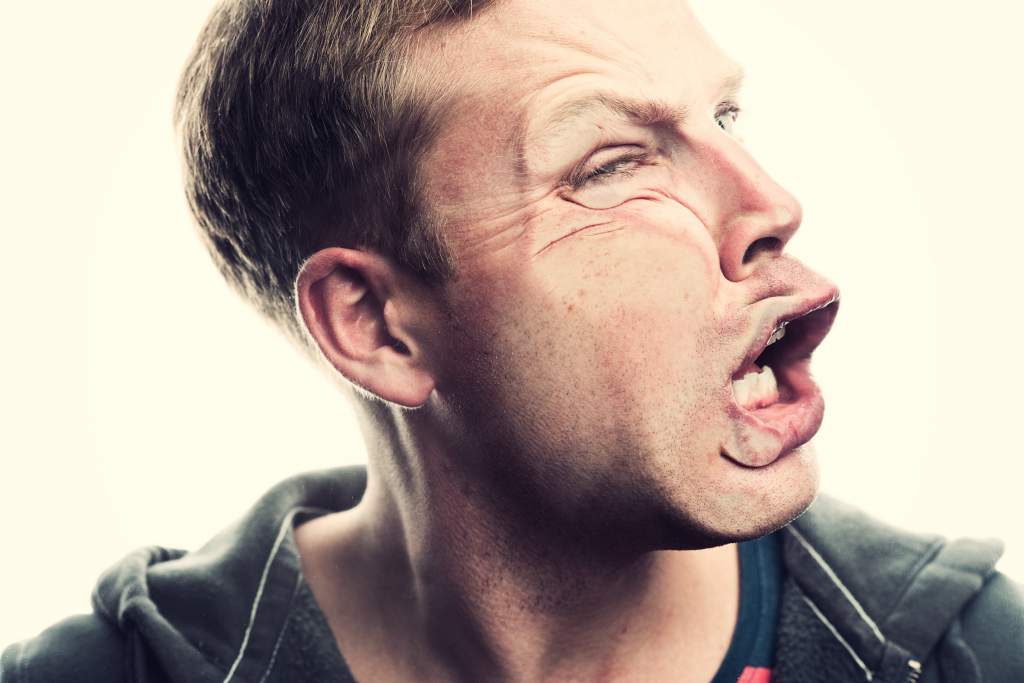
(726, 116)
(621, 166)
(613, 176)
(617, 167)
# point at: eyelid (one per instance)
(581, 172)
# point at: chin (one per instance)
(746, 503)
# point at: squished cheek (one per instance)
(634, 296)
(633, 258)
(650, 216)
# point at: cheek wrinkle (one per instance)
(570, 234)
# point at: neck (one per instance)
(438, 561)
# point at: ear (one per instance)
(367, 317)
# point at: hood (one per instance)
(215, 614)
(887, 596)
(884, 595)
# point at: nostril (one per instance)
(760, 246)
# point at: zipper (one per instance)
(915, 671)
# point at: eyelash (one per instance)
(730, 109)
(616, 167)
(625, 165)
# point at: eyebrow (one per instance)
(647, 113)
(644, 112)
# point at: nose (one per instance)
(752, 217)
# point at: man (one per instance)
(528, 237)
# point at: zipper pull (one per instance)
(915, 671)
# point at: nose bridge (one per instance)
(752, 216)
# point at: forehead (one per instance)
(657, 44)
(517, 75)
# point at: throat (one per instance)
(668, 616)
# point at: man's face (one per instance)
(620, 263)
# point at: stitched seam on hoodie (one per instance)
(835, 579)
(868, 674)
(285, 524)
(280, 636)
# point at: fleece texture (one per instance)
(861, 601)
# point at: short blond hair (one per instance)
(298, 135)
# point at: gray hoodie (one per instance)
(861, 602)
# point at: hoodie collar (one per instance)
(885, 594)
(216, 614)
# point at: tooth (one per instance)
(778, 334)
(741, 389)
(771, 393)
(756, 389)
(746, 389)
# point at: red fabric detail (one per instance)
(755, 674)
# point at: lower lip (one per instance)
(791, 422)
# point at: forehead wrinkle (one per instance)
(647, 113)
(519, 141)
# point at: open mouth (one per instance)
(773, 392)
(766, 378)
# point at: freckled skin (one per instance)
(516, 524)
(601, 356)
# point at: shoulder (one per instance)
(992, 628)
(80, 648)
(165, 614)
(940, 601)
(890, 570)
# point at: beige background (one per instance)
(141, 403)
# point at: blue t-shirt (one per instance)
(751, 653)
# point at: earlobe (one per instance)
(348, 299)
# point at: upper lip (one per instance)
(801, 309)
